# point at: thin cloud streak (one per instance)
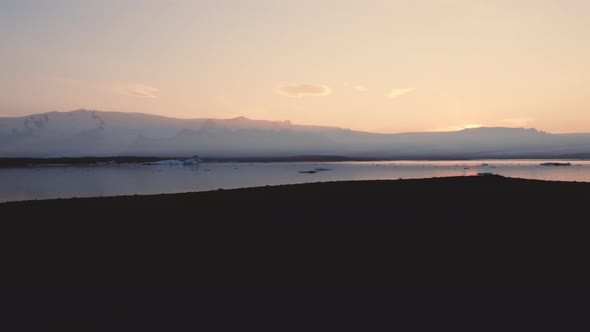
(140, 90)
(298, 90)
(395, 93)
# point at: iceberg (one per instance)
(195, 160)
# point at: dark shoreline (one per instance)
(422, 184)
(492, 241)
(461, 231)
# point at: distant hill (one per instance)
(97, 133)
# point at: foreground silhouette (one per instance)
(174, 262)
(460, 231)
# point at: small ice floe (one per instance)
(164, 163)
(485, 174)
(320, 169)
(555, 164)
(307, 172)
(106, 163)
(195, 160)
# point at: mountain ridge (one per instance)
(242, 118)
(90, 132)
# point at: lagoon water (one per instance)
(46, 182)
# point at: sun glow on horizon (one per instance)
(472, 126)
(458, 128)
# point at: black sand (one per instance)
(460, 231)
(453, 250)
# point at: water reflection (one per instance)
(88, 181)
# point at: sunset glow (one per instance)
(471, 126)
(382, 66)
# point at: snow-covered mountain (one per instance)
(97, 133)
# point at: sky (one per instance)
(374, 65)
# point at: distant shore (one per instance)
(6, 162)
(461, 231)
(25, 162)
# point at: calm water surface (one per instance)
(88, 181)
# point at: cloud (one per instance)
(394, 93)
(298, 90)
(140, 90)
(361, 88)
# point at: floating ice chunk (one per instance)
(165, 163)
(106, 163)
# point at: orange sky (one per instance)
(386, 66)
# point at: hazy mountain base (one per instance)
(445, 232)
(118, 160)
(100, 134)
